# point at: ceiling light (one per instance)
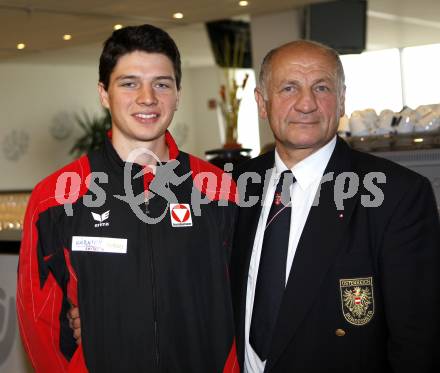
(418, 139)
(243, 3)
(178, 15)
(67, 37)
(21, 46)
(117, 27)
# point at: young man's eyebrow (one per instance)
(164, 77)
(160, 77)
(122, 77)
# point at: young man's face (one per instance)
(142, 97)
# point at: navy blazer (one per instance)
(363, 294)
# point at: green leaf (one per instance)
(95, 130)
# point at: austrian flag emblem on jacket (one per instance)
(180, 215)
(357, 300)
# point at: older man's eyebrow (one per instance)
(322, 80)
(290, 81)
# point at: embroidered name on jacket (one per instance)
(99, 244)
(357, 300)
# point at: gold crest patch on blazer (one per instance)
(357, 299)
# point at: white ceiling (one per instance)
(402, 23)
(41, 24)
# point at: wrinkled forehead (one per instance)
(307, 62)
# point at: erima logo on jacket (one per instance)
(101, 218)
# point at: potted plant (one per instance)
(95, 130)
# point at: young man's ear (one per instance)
(103, 95)
(259, 97)
(178, 98)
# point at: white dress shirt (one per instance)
(308, 174)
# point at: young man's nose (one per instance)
(146, 96)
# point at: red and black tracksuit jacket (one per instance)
(163, 306)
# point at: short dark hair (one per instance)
(143, 38)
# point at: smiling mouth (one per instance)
(146, 116)
(303, 123)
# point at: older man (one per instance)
(345, 274)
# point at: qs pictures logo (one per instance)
(7, 325)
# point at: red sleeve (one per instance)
(232, 365)
(212, 181)
(39, 296)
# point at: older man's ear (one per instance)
(261, 103)
(75, 323)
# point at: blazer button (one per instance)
(340, 332)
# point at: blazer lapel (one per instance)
(317, 249)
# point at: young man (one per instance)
(152, 297)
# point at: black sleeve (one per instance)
(410, 269)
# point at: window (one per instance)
(392, 78)
(421, 75)
(373, 80)
(248, 131)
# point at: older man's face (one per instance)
(302, 99)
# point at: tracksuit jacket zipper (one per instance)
(153, 289)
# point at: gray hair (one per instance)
(265, 65)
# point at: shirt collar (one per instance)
(310, 168)
(173, 150)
